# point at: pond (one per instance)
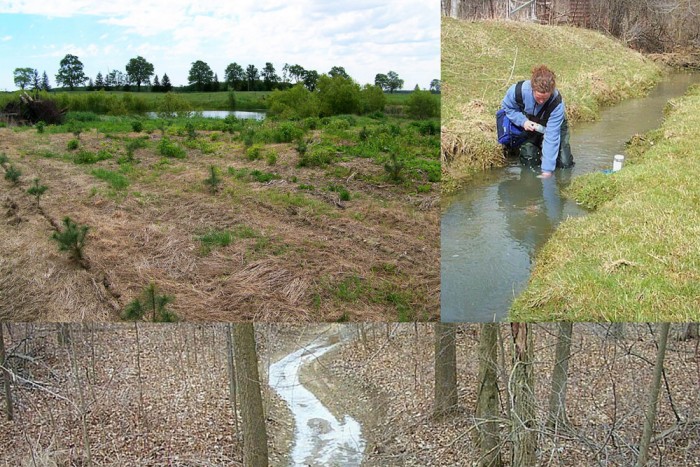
(243, 114)
(492, 230)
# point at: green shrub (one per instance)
(40, 127)
(271, 158)
(318, 156)
(72, 238)
(168, 148)
(253, 153)
(12, 174)
(137, 126)
(73, 145)
(423, 104)
(263, 177)
(87, 157)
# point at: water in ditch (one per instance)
(320, 439)
(492, 230)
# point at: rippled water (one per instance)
(491, 231)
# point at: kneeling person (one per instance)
(537, 106)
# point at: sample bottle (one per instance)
(617, 162)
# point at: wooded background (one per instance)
(645, 25)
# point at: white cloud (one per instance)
(364, 36)
(6, 38)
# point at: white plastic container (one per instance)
(539, 128)
(617, 162)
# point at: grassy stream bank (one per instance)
(637, 256)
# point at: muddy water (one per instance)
(492, 230)
(320, 439)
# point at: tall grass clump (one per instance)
(168, 148)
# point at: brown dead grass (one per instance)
(135, 240)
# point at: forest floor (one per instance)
(293, 249)
(175, 409)
(607, 394)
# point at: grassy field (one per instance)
(325, 219)
(637, 256)
(480, 60)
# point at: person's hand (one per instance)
(545, 174)
(530, 126)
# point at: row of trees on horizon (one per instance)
(201, 78)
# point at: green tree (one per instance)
(269, 76)
(372, 98)
(338, 71)
(251, 76)
(165, 84)
(23, 77)
(382, 81)
(234, 76)
(139, 70)
(338, 95)
(296, 72)
(296, 102)
(156, 85)
(99, 81)
(310, 79)
(36, 81)
(200, 75)
(435, 86)
(423, 104)
(71, 72)
(393, 81)
(45, 85)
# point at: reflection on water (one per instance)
(492, 230)
(320, 439)
(243, 114)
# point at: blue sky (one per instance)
(364, 36)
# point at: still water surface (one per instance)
(492, 230)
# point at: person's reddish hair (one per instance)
(543, 79)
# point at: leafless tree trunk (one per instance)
(81, 398)
(6, 376)
(445, 369)
(557, 399)
(654, 388)
(522, 391)
(487, 398)
(231, 376)
(142, 412)
(254, 431)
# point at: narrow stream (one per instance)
(320, 439)
(492, 230)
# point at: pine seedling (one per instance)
(394, 167)
(214, 180)
(3, 159)
(37, 190)
(151, 303)
(72, 238)
(12, 174)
